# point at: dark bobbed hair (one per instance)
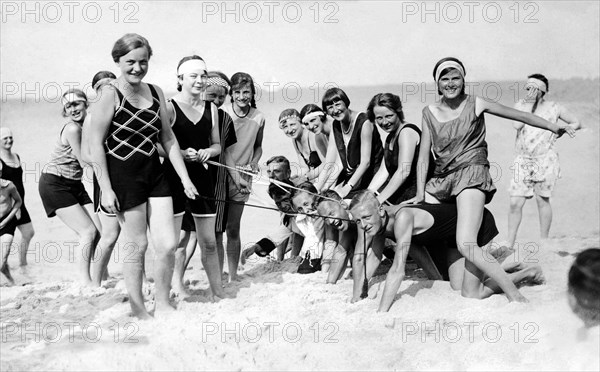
(240, 79)
(333, 95)
(447, 70)
(127, 43)
(327, 195)
(387, 100)
(102, 75)
(184, 59)
(584, 285)
(311, 107)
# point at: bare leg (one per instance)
(470, 204)
(514, 218)
(205, 229)
(108, 239)
(190, 248)
(179, 265)
(27, 233)
(6, 243)
(424, 260)
(164, 241)
(133, 224)
(220, 250)
(77, 218)
(545, 212)
(233, 239)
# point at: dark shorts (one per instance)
(187, 223)
(25, 217)
(199, 207)
(10, 227)
(60, 192)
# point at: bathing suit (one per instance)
(134, 167)
(60, 184)
(443, 230)
(408, 189)
(313, 160)
(461, 154)
(195, 136)
(220, 175)
(15, 175)
(350, 153)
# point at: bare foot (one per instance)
(141, 314)
(518, 297)
(234, 278)
(180, 291)
(4, 270)
(163, 308)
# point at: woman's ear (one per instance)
(344, 205)
(381, 211)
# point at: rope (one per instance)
(280, 184)
(365, 288)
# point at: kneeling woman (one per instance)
(355, 140)
(195, 125)
(60, 186)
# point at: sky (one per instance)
(304, 43)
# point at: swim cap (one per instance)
(5, 132)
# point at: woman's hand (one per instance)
(202, 155)
(418, 199)
(189, 154)
(343, 191)
(243, 186)
(189, 188)
(109, 202)
(566, 128)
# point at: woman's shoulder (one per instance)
(257, 116)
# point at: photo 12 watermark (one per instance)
(70, 11)
(253, 332)
(54, 332)
(270, 11)
(454, 332)
(470, 11)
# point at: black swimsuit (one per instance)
(15, 175)
(313, 160)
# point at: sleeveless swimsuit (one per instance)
(196, 136)
(60, 184)
(134, 166)
(461, 154)
(313, 160)
(350, 155)
(408, 189)
(15, 175)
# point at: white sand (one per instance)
(278, 320)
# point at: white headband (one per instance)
(5, 132)
(449, 64)
(538, 84)
(311, 115)
(72, 97)
(284, 119)
(191, 65)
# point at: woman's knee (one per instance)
(27, 231)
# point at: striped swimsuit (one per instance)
(134, 166)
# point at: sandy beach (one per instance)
(279, 320)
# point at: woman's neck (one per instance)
(126, 86)
(241, 111)
(6, 153)
(454, 103)
(347, 120)
(190, 99)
